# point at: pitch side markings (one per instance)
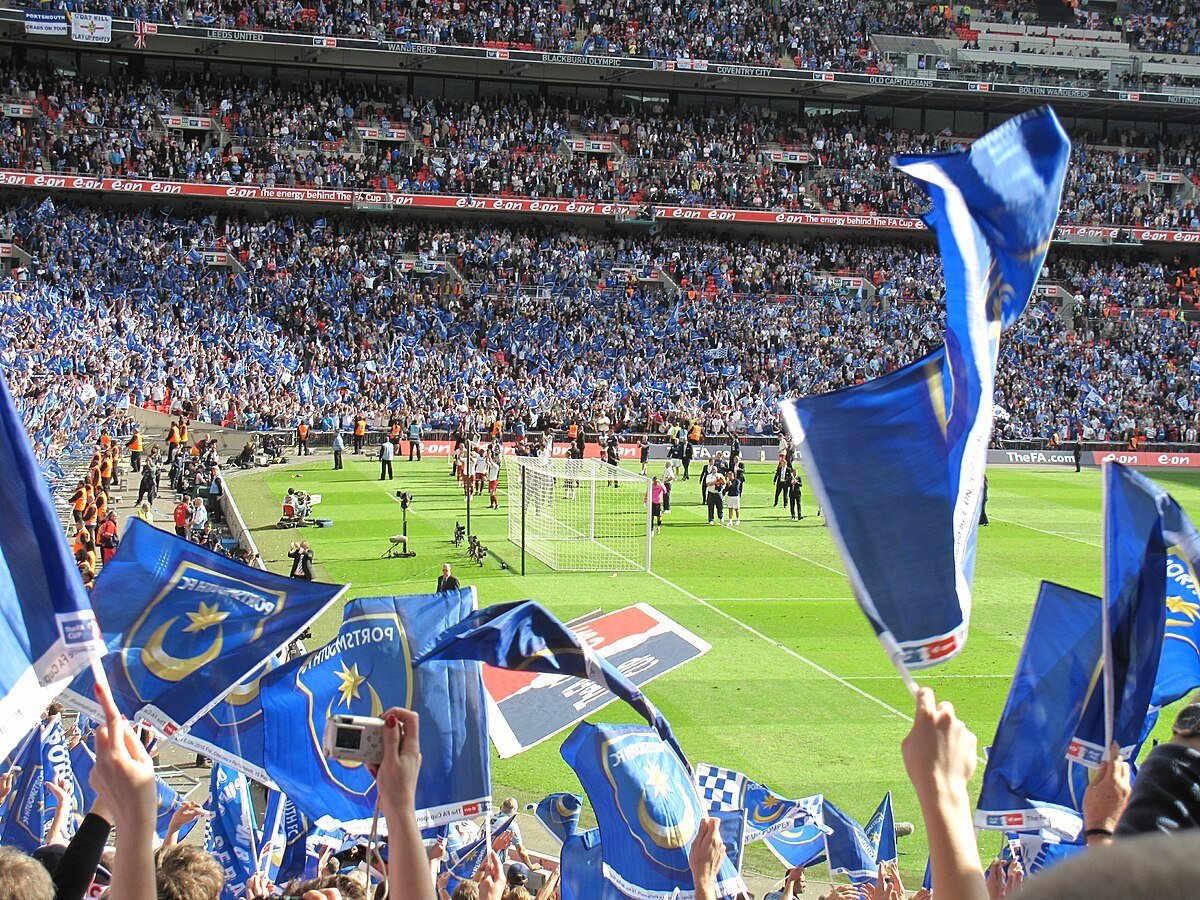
(750, 629)
(737, 529)
(927, 676)
(1057, 534)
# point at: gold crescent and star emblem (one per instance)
(771, 808)
(561, 808)
(1181, 607)
(669, 837)
(153, 655)
(166, 667)
(350, 682)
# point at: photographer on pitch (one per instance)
(302, 559)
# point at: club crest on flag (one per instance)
(661, 819)
(347, 689)
(167, 648)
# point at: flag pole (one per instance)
(1106, 621)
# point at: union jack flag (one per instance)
(139, 35)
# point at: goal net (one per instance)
(579, 515)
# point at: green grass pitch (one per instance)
(796, 691)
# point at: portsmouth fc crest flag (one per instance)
(559, 815)
(647, 809)
(724, 790)
(1179, 667)
(184, 625)
(232, 731)
(366, 669)
(1030, 783)
(898, 461)
(1142, 523)
(47, 629)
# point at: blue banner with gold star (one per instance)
(367, 669)
(647, 808)
(184, 625)
(1179, 667)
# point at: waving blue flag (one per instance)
(27, 817)
(1141, 522)
(296, 830)
(647, 809)
(1179, 667)
(848, 847)
(582, 865)
(802, 846)
(1029, 783)
(47, 629)
(881, 831)
(185, 624)
(898, 462)
(365, 670)
(525, 635)
(232, 731)
(229, 833)
(723, 790)
(559, 815)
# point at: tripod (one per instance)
(398, 543)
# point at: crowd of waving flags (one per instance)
(191, 642)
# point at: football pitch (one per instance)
(796, 691)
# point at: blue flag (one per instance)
(582, 864)
(1141, 522)
(898, 462)
(927, 881)
(232, 731)
(766, 812)
(733, 835)
(47, 630)
(802, 846)
(185, 624)
(1039, 850)
(1029, 783)
(1179, 667)
(296, 831)
(647, 809)
(849, 847)
(365, 670)
(26, 819)
(881, 831)
(229, 833)
(524, 635)
(463, 863)
(559, 814)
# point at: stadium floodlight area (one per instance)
(579, 515)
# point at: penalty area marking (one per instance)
(786, 649)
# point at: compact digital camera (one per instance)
(353, 739)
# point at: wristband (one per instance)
(1097, 832)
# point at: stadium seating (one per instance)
(299, 318)
(335, 135)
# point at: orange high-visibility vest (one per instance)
(135, 443)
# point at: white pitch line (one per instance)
(930, 675)
(737, 529)
(1058, 534)
(788, 650)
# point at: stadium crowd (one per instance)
(271, 134)
(458, 326)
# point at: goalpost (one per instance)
(579, 515)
